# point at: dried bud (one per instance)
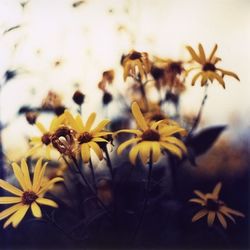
(78, 97)
(31, 117)
(106, 98)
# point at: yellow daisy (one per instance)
(208, 70)
(136, 61)
(29, 196)
(151, 138)
(86, 137)
(213, 207)
(44, 141)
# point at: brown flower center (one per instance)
(208, 67)
(135, 55)
(150, 135)
(46, 139)
(85, 137)
(213, 205)
(28, 197)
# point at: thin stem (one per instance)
(145, 203)
(92, 172)
(109, 163)
(89, 186)
(198, 117)
(143, 92)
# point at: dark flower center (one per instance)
(213, 205)
(85, 137)
(150, 135)
(135, 55)
(29, 197)
(157, 117)
(46, 139)
(175, 67)
(208, 67)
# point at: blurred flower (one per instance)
(51, 101)
(208, 70)
(107, 78)
(31, 117)
(151, 138)
(29, 196)
(106, 98)
(78, 97)
(88, 138)
(213, 207)
(45, 140)
(134, 63)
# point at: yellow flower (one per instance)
(86, 137)
(29, 196)
(213, 207)
(151, 138)
(44, 141)
(134, 62)
(208, 70)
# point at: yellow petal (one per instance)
(133, 154)
(97, 149)
(10, 188)
(26, 174)
(36, 211)
(200, 194)
(196, 200)
(47, 151)
(218, 78)
(216, 190)
(126, 144)
(210, 218)
(144, 152)
(100, 126)
(41, 128)
(193, 54)
(49, 184)
(227, 215)
(156, 151)
(35, 140)
(202, 54)
(170, 130)
(229, 73)
(172, 148)
(100, 134)
(18, 215)
(85, 152)
(195, 78)
(140, 120)
(222, 220)
(47, 202)
(10, 200)
(7, 212)
(37, 170)
(80, 123)
(212, 53)
(199, 215)
(177, 142)
(72, 122)
(38, 182)
(90, 121)
(19, 175)
(33, 150)
(130, 131)
(232, 211)
(97, 139)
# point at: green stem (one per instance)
(145, 203)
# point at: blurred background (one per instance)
(62, 45)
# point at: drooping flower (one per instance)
(30, 194)
(87, 137)
(151, 138)
(213, 207)
(207, 69)
(136, 63)
(44, 141)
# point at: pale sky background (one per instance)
(88, 42)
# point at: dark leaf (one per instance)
(198, 144)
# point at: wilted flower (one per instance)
(31, 117)
(208, 70)
(213, 207)
(88, 138)
(151, 138)
(45, 140)
(29, 196)
(107, 78)
(51, 101)
(136, 63)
